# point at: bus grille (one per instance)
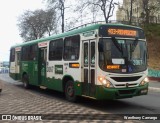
(126, 79)
(124, 85)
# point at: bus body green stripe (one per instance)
(55, 84)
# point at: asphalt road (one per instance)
(147, 104)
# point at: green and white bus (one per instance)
(100, 61)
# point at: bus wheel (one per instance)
(69, 91)
(25, 81)
(0, 90)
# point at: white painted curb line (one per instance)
(154, 89)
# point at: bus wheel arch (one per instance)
(68, 88)
(25, 80)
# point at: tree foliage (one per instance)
(105, 6)
(59, 6)
(35, 24)
(150, 7)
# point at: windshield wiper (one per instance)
(119, 47)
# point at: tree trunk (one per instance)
(147, 16)
(106, 19)
(63, 22)
(130, 21)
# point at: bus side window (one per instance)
(56, 49)
(32, 52)
(71, 48)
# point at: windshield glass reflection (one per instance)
(122, 55)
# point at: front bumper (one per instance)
(103, 93)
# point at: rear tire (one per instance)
(0, 90)
(25, 81)
(70, 91)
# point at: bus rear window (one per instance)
(12, 55)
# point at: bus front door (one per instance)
(42, 66)
(88, 86)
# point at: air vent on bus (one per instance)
(126, 79)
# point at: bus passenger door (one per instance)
(42, 65)
(88, 66)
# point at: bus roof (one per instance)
(70, 33)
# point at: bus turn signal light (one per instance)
(110, 67)
(74, 65)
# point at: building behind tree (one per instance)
(140, 9)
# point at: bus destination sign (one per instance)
(121, 32)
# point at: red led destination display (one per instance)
(121, 32)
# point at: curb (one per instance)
(154, 79)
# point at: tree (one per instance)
(50, 21)
(60, 6)
(146, 10)
(35, 24)
(150, 8)
(131, 6)
(129, 10)
(105, 6)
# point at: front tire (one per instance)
(70, 91)
(25, 81)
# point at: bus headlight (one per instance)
(105, 82)
(144, 81)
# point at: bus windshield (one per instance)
(122, 55)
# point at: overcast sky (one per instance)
(10, 10)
